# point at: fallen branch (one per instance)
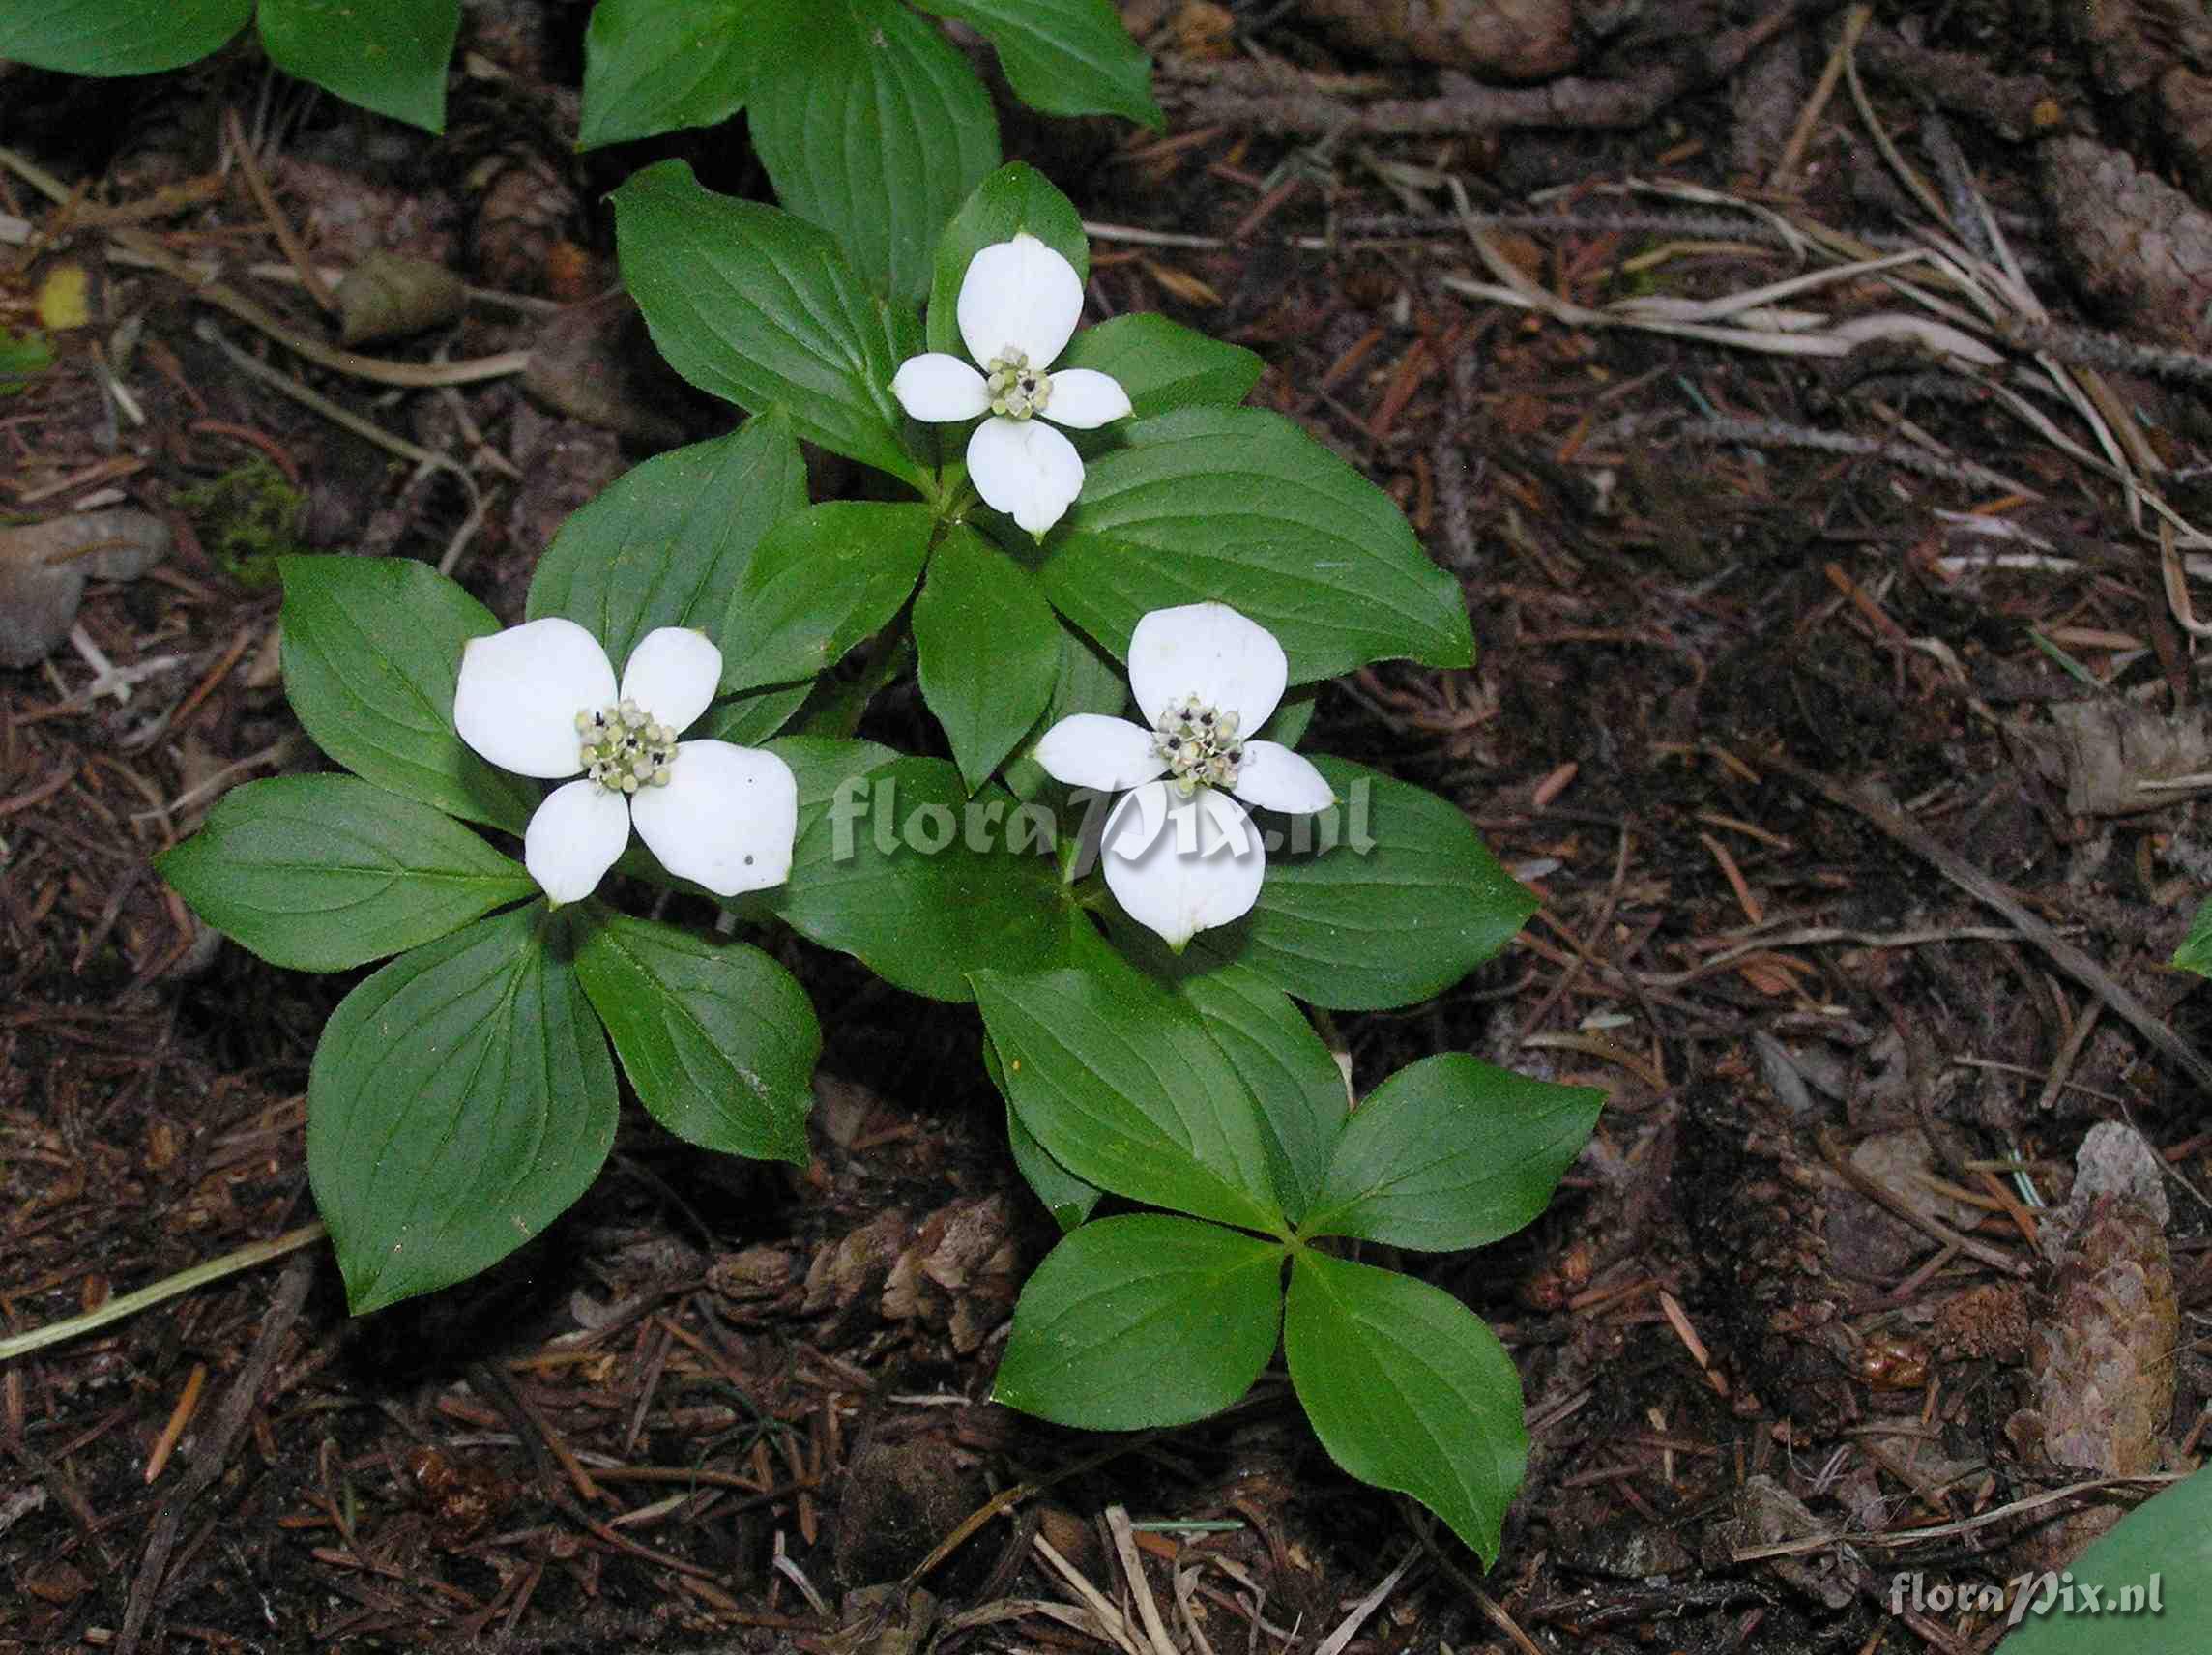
(1253, 100)
(2015, 106)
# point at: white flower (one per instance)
(541, 700)
(1018, 305)
(1204, 676)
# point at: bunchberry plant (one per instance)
(1137, 903)
(868, 121)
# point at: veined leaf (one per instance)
(1238, 506)
(760, 308)
(1143, 1319)
(668, 541)
(874, 128)
(323, 872)
(1406, 1389)
(460, 1100)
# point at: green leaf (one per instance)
(1015, 200)
(1141, 1319)
(386, 55)
(1087, 680)
(1119, 1083)
(665, 545)
(2196, 951)
(372, 650)
(1291, 1075)
(821, 581)
(1164, 365)
(460, 1100)
(2160, 1546)
(717, 1039)
(1064, 57)
(1291, 717)
(989, 650)
(1407, 1390)
(749, 720)
(1240, 507)
(117, 37)
(875, 131)
(896, 865)
(1403, 905)
(1449, 1153)
(1067, 1198)
(759, 308)
(654, 65)
(24, 357)
(323, 872)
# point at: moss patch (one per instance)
(246, 519)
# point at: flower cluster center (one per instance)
(1017, 389)
(624, 749)
(1198, 743)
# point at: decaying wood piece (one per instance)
(1269, 102)
(594, 362)
(1508, 39)
(2014, 106)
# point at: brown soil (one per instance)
(1717, 659)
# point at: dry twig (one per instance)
(2076, 964)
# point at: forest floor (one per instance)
(1837, 695)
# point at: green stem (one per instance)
(145, 1299)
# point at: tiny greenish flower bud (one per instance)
(1017, 391)
(1199, 744)
(625, 747)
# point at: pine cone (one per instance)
(2103, 1356)
(2135, 247)
(2104, 1360)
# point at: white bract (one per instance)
(541, 700)
(1204, 676)
(1018, 305)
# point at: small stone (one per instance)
(43, 567)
